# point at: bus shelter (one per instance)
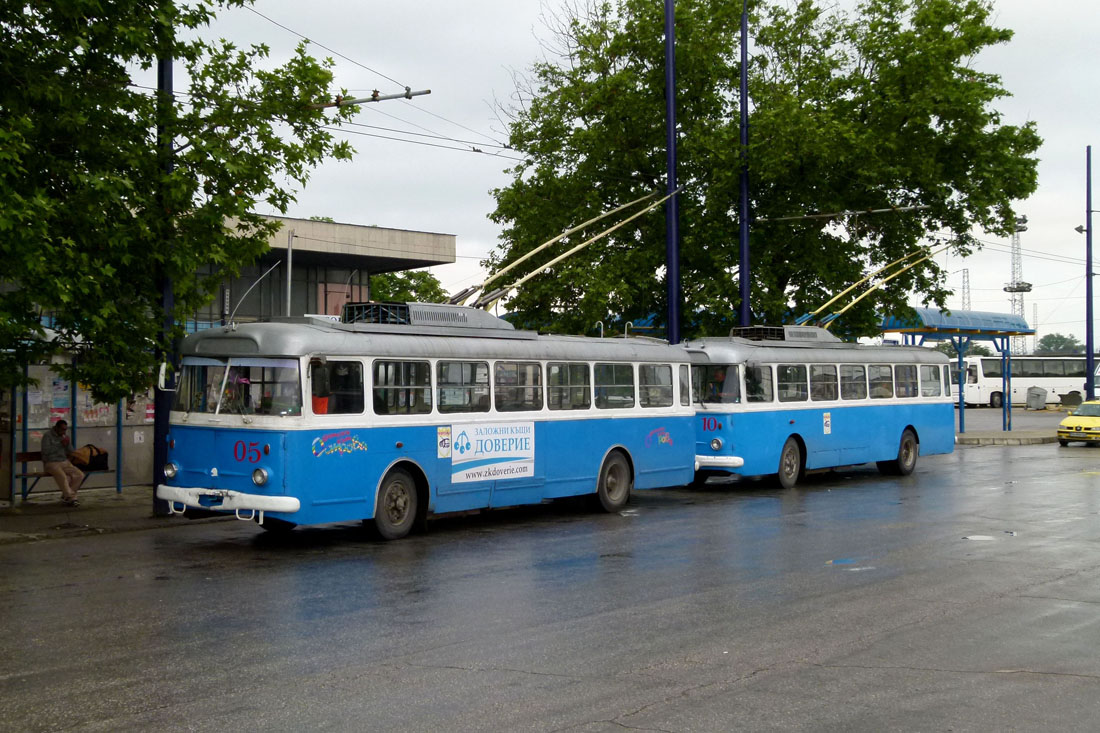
(961, 328)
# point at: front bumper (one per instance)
(718, 462)
(226, 500)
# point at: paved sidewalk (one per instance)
(101, 511)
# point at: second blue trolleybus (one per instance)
(413, 409)
(787, 400)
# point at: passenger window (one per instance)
(614, 386)
(685, 385)
(345, 388)
(853, 382)
(463, 386)
(758, 384)
(518, 386)
(655, 385)
(929, 381)
(568, 386)
(402, 387)
(905, 380)
(791, 379)
(823, 382)
(881, 379)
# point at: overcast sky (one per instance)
(466, 53)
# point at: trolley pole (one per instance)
(1090, 358)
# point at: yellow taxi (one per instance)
(1082, 424)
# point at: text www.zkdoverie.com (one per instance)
(491, 472)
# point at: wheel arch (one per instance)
(420, 478)
(618, 448)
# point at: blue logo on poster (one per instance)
(462, 443)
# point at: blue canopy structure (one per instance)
(938, 325)
(962, 327)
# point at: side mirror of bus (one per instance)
(162, 378)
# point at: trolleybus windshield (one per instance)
(240, 386)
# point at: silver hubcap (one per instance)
(397, 503)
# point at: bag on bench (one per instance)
(89, 458)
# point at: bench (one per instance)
(26, 457)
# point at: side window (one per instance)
(518, 386)
(568, 386)
(929, 380)
(614, 386)
(655, 385)
(463, 386)
(402, 387)
(853, 382)
(758, 384)
(791, 379)
(905, 380)
(823, 382)
(947, 379)
(991, 367)
(685, 385)
(881, 379)
(345, 388)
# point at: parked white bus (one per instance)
(1058, 375)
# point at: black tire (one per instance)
(277, 526)
(908, 450)
(615, 483)
(790, 464)
(699, 481)
(996, 399)
(395, 510)
(1063, 443)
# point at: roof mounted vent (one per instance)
(422, 314)
(804, 334)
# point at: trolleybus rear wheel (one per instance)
(908, 450)
(616, 481)
(395, 510)
(790, 464)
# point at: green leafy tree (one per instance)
(1056, 343)
(90, 220)
(872, 110)
(975, 349)
(413, 286)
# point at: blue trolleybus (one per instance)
(787, 400)
(406, 410)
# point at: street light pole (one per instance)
(1090, 359)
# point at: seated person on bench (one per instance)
(55, 459)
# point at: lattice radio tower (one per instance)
(966, 289)
(1018, 287)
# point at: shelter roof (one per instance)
(936, 323)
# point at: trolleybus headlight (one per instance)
(259, 476)
(716, 444)
(170, 470)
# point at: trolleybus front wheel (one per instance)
(613, 489)
(790, 464)
(908, 450)
(395, 511)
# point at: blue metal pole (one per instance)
(744, 273)
(118, 448)
(672, 210)
(26, 429)
(1090, 359)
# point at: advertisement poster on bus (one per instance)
(492, 451)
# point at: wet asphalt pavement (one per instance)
(964, 597)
